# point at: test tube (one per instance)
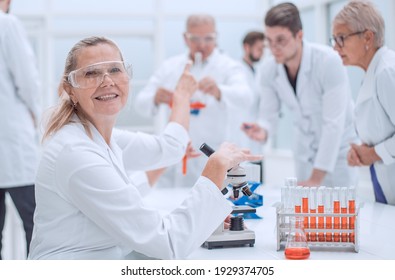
(328, 204)
(321, 210)
(343, 210)
(336, 210)
(291, 183)
(313, 210)
(351, 210)
(305, 205)
(285, 196)
(297, 199)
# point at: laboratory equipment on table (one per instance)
(296, 247)
(237, 234)
(235, 177)
(332, 221)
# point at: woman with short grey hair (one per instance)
(358, 37)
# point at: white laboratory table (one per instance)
(377, 228)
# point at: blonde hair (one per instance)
(62, 113)
(360, 16)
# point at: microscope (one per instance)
(237, 234)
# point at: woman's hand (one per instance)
(187, 84)
(226, 157)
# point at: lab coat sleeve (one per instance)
(235, 91)
(92, 185)
(335, 100)
(22, 66)
(385, 85)
(147, 152)
(269, 101)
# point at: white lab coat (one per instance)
(87, 208)
(216, 123)
(322, 112)
(19, 101)
(375, 116)
(250, 114)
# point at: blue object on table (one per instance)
(255, 200)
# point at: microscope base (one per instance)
(230, 239)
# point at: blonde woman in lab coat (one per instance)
(358, 37)
(312, 82)
(87, 206)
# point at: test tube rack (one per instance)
(283, 228)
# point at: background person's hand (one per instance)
(163, 95)
(353, 158)
(254, 131)
(209, 86)
(366, 154)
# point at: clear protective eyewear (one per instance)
(92, 76)
(196, 39)
(339, 40)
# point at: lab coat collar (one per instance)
(368, 79)
(302, 79)
(112, 151)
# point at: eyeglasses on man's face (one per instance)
(196, 39)
(279, 43)
(339, 40)
(92, 76)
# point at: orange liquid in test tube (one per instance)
(328, 225)
(297, 199)
(327, 201)
(313, 210)
(305, 207)
(351, 210)
(336, 220)
(351, 220)
(344, 236)
(321, 210)
(313, 225)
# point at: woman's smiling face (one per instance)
(108, 96)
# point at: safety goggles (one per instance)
(92, 76)
(207, 39)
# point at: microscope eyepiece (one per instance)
(206, 149)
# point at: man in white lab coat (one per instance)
(223, 91)
(311, 80)
(19, 112)
(253, 47)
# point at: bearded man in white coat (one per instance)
(222, 92)
(312, 82)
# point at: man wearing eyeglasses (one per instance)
(311, 81)
(222, 92)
